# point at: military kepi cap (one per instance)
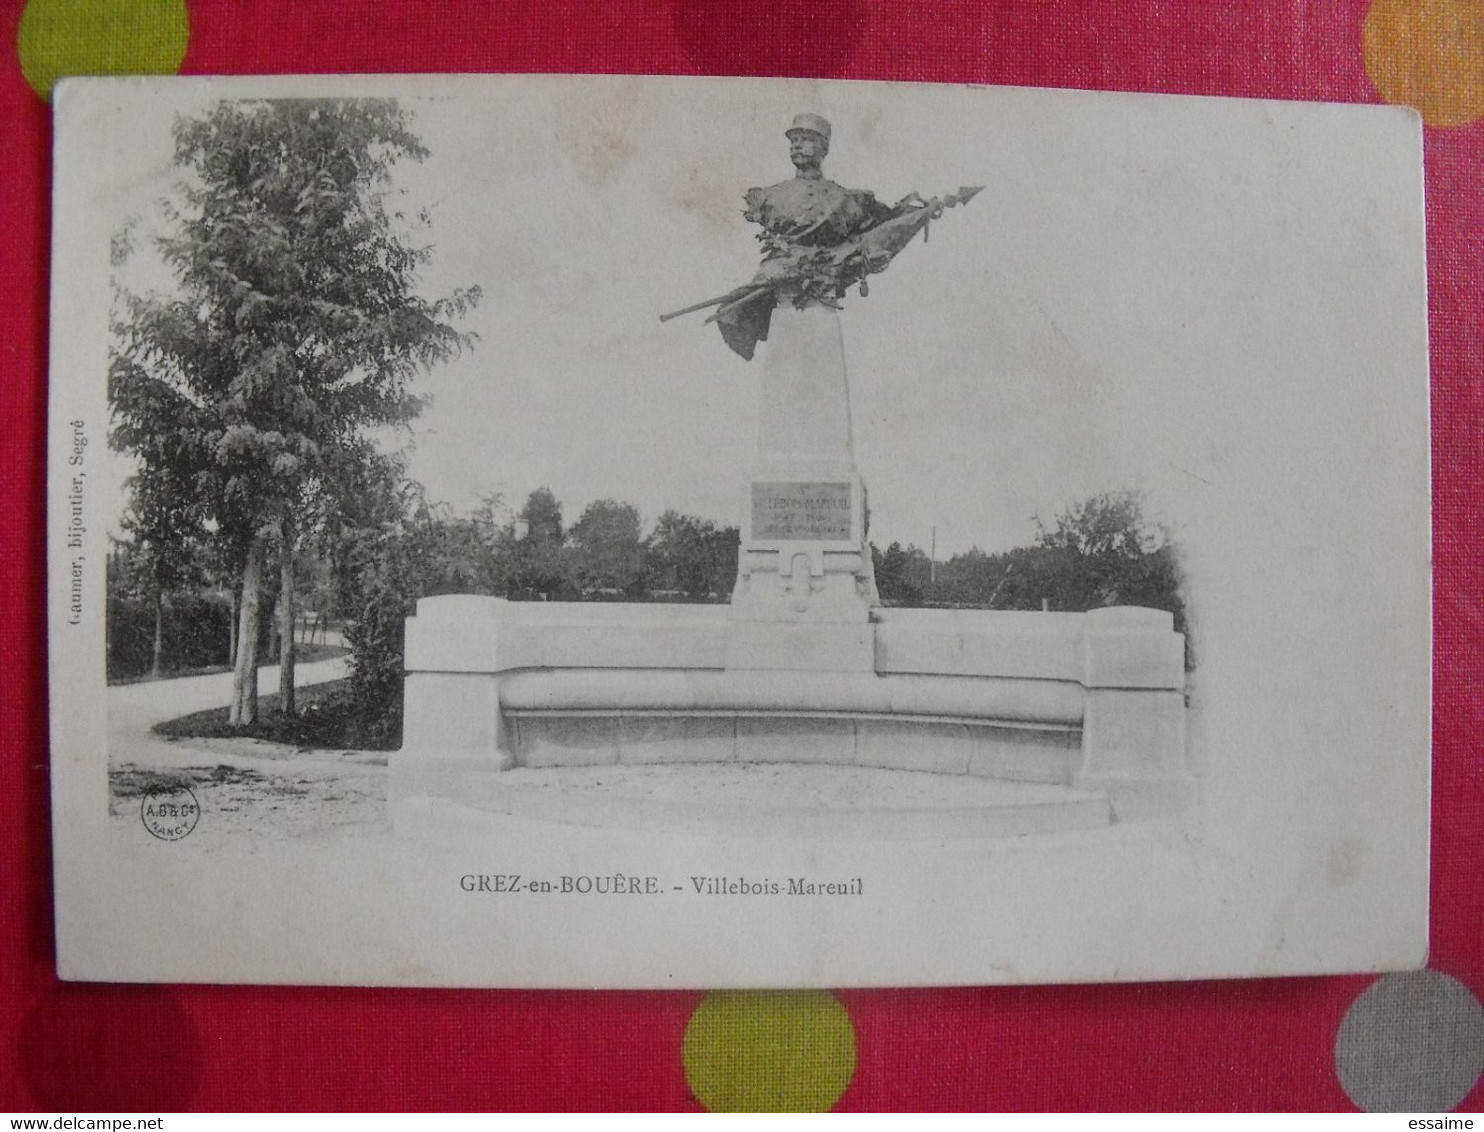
(811, 122)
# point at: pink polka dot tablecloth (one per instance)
(1406, 1041)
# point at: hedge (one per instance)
(197, 633)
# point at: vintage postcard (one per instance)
(637, 532)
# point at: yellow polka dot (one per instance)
(100, 37)
(1428, 54)
(769, 1051)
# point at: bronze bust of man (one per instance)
(809, 209)
(818, 239)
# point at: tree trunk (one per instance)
(159, 649)
(286, 625)
(232, 630)
(244, 708)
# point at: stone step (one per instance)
(1022, 753)
(762, 800)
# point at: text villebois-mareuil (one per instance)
(618, 884)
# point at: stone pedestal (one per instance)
(804, 558)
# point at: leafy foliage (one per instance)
(540, 566)
(607, 552)
(542, 516)
(196, 633)
(295, 328)
(393, 548)
(1109, 525)
(1097, 552)
(902, 574)
(692, 556)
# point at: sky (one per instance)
(1036, 350)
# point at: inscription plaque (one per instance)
(792, 510)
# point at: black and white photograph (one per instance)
(637, 532)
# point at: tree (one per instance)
(540, 563)
(721, 547)
(693, 556)
(398, 548)
(296, 328)
(1107, 525)
(164, 521)
(971, 578)
(1103, 550)
(607, 552)
(677, 554)
(903, 574)
(163, 517)
(542, 515)
(496, 542)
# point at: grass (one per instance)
(327, 719)
(133, 782)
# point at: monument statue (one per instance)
(818, 239)
(804, 664)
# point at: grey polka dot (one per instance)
(1413, 1042)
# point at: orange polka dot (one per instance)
(1428, 54)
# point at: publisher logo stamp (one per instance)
(170, 812)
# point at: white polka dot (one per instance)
(1412, 1042)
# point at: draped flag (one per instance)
(803, 273)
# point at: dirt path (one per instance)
(241, 784)
(138, 707)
